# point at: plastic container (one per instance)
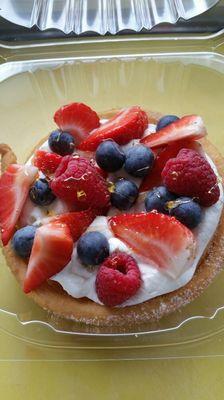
(181, 75)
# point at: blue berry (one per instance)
(22, 241)
(41, 193)
(139, 161)
(166, 120)
(187, 211)
(109, 156)
(157, 198)
(124, 195)
(61, 142)
(93, 248)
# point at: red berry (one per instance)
(169, 151)
(15, 183)
(77, 221)
(51, 252)
(77, 119)
(77, 182)
(190, 174)
(118, 279)
(160, 239)
(190, 127)
(128, 124)
(46, 162)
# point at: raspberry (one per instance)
(77, 181)
(118, 279)
(190, 174)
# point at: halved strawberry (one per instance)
(78, 119)
(51, 252)
(46, 162)
(170, 151)
(14, 187)
(128, 124)
(159, 238)
(190, 127)
(77, 221)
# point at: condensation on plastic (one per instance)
(100, 16)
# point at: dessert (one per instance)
(117, 220)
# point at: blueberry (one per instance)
(187, 211)
(61, 142)
(157, 198)
(124, 195)
(166, 120)
(139, 160)
(22, 241)
(41, 193)
(109, 156)
(93, 248)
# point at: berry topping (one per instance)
(77, 221)
(159, 238)
(169, 151)
(118, 279)
(78, 119)
(166, 120)
(46, 162)
(109, 156)
(93, 248)
(190, 127)
(61, 142)
(22, 241)
(41, 193)
(128, 124)
(157, 198)
(51, 252)
(186, 211)
(124, 194)
(139, 161)
(77, 181)
(14, 187)
(190, 174)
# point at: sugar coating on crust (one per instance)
(51, 297)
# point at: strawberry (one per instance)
(159, 238)
(14, 187)
(77, 221)
(78, 119)
(51, 252)
(46, 162)
(128, 124)
(190, 127)
(171, 150)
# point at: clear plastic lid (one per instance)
(100, 16)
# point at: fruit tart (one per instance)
(115, 219)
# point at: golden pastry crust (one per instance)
(53, 298)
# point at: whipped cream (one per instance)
(79, 281)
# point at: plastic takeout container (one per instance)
(178, 75)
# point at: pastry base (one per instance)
(50, 296)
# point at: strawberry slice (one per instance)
(51, 252)
(78, 119)
(14, 188)
(190, 127)
(128, 124)
(159, 238)
(170, 151)
(46, 162)
(77, 221)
